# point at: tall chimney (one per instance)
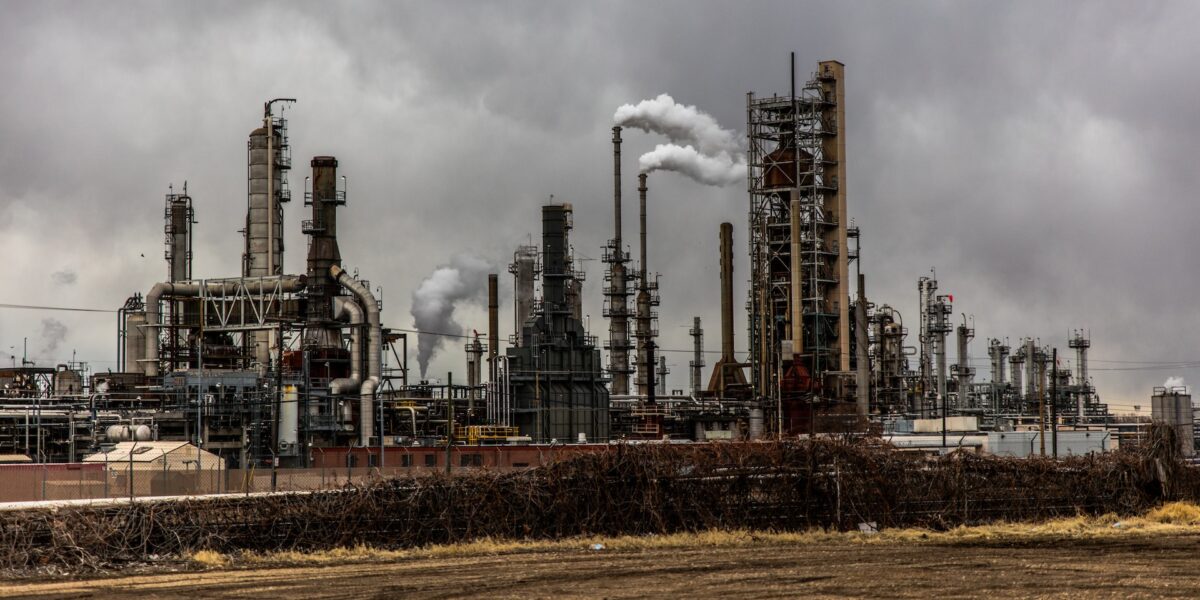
(645, 372)
(727, 292)
(726, 372)
(616, 139)
(863, 376)
(493, 323)
(642, 201)
(617, 292)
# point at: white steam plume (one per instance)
(434, 301)
(700, 148)
(719, 170)
(683, 124)
(1174, 382)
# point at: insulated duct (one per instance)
(348, 310)
(374, 361)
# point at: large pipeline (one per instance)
(285, 283)
(346, 309)
(374, 362)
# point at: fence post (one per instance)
(45, 470)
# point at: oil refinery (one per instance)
(264, 367)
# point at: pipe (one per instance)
(374, 360)
(796, 335)
(286, 284)
(346, 309)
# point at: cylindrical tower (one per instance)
(264, 210)
(323, 252)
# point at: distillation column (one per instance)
(645, 301)
(697, 362)
(617, 291)
(268, 160)
(1081, 345)
(963, 369)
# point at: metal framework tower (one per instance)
(963, 372)
(178, 217)
(647, 298)
(799, 297)
(1081, 343)
(616, 287)
(697, 363)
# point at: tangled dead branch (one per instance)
(626, 490)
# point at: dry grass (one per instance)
(1173, 518)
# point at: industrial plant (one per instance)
(265, 367)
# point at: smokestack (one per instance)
(493, 323)
(616, 139)
(323, 252)
(861, 341)
(726, 372)
(727, 292)
(642, 200)
(697, 363)
(618, 291)
(645, 373)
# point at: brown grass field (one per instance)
(1157, 555)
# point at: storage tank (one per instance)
(1173, 407)
(135, 342)
(129, 433)
(67, 382)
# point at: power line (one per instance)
(64, 308)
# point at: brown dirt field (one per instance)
(1162, 565)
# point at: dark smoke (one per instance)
(54, 332)
(64, 277)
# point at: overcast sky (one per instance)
(1042, 156)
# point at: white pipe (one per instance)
(374, 361)
(346, 309)
(286, 283)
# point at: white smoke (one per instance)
(434, 301)
(682, 124)
(1174, 382)
(717, 170)
(700, 148)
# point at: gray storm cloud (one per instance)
(434, 301)
(700, 148)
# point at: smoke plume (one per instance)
(1174, 382)
(54, 332)
(64, 277)
(434, 301)
(717, 170)
(700, 148)
(681, 124)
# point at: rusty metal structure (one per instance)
(799, 301)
